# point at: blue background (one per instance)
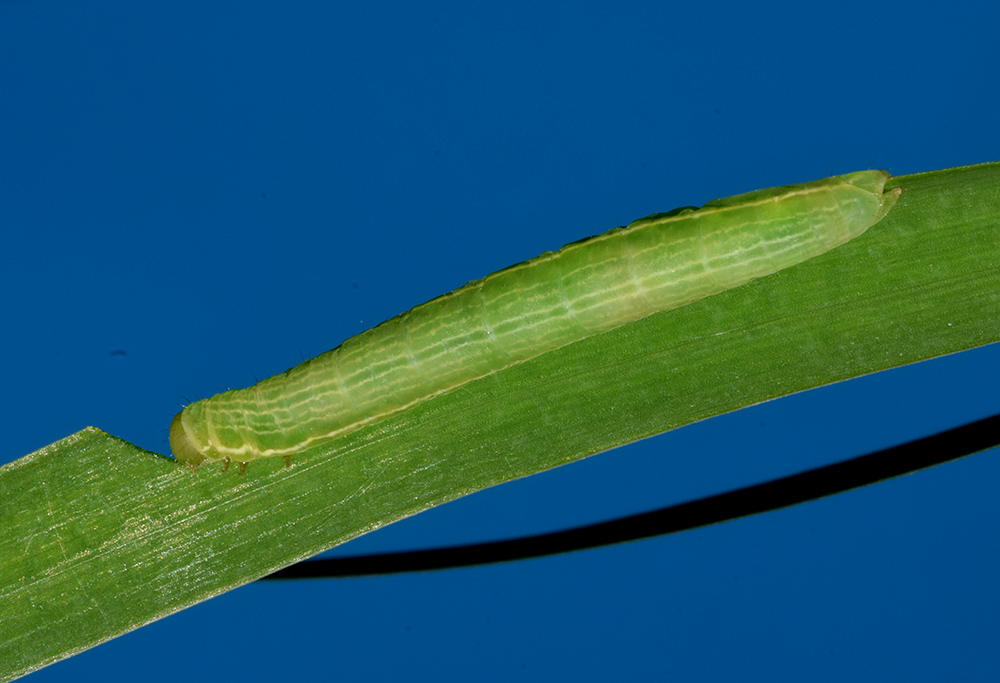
(220, 190)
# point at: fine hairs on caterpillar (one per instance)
(588, 287)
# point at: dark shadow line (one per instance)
(772, 495)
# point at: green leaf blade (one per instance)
(99, 537)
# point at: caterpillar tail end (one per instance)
(874, 182)
(182, 445)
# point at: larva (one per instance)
(655, 264)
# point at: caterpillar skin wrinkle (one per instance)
(588, 287)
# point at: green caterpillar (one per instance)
(588, 287)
